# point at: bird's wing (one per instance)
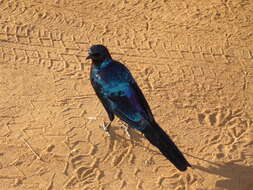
(128, 101)
(103, 100)
(142, 100)
(126, 106)
(136, 91)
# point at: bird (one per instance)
(121, 96)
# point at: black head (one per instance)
(98, 53)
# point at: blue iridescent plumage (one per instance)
(122, 97)
(117, 88)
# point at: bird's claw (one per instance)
(125, 127)
(105, 127)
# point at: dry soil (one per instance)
(193, 60)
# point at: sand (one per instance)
(192, 59)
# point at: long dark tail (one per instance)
(156, 136)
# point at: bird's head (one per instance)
(98, 53)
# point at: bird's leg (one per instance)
(105, 127)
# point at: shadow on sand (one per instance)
(238, 177)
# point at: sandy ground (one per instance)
(193, 59)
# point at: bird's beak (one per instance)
(88, 57)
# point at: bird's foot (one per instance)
(125, 127)
(105, 127)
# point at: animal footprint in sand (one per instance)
(219, 117)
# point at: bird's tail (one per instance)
(157, 136)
